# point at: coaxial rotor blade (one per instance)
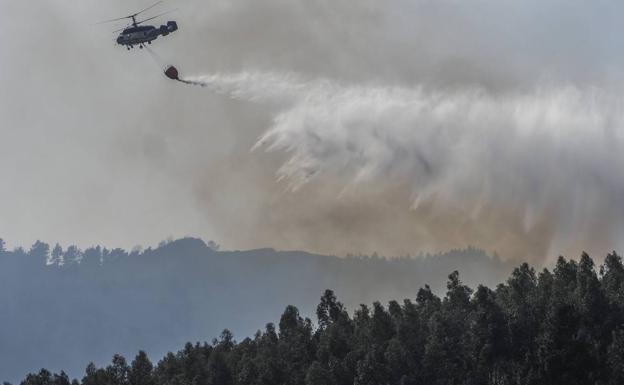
(132, 15)
(111, 20)
(120, 29)
(150, 7)
(153, 17)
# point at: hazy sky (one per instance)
(413, 126)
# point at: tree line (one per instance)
(564, 326)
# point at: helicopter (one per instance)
(137, 34)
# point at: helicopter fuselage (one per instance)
(144, 34)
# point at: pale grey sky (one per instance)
(97, 146)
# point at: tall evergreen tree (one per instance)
(141, 370)
(118, 370)
(56, 257)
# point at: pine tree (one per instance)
(615, 358)
(118, 370)
(141, 370)
(56, 258)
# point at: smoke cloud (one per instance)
(396, 126)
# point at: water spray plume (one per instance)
(546, 164)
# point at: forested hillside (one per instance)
(61, 307)
(559, 327)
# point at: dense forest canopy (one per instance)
(564, 326)
(90, 304)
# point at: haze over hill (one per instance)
(54, 315)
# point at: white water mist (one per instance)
(553, 154)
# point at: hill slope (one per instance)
(54, 315)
